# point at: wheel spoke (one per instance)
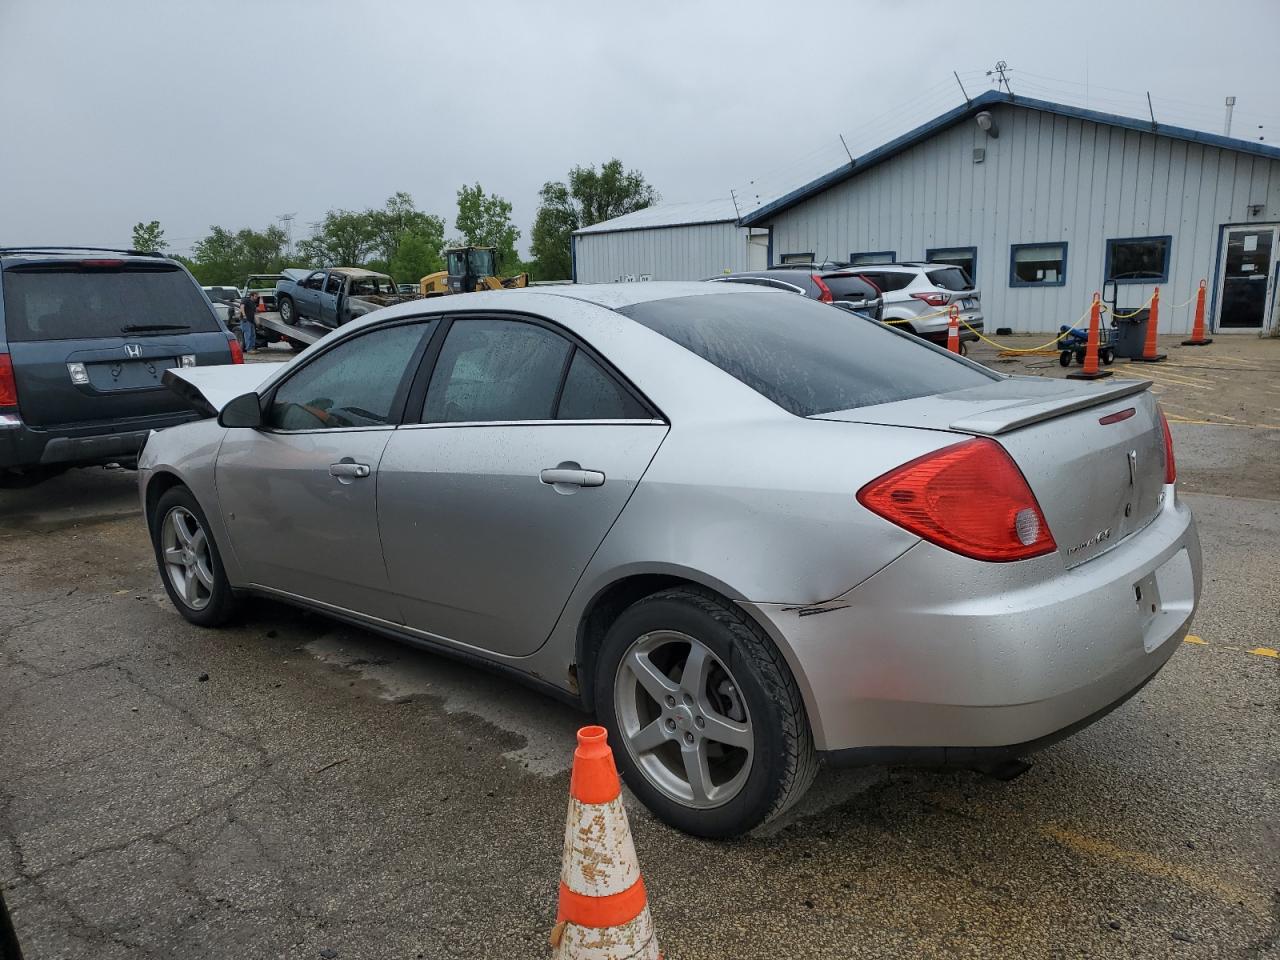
(180, 528)
(693, 680)
(729, 732)
(650, 737)
(203, 574)
(657, 684)
(696, 770)
(189, 588)
(197, 545)
(173, 554)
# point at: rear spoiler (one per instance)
(209, 389)
(1022, 413)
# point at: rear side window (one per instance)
(591, 394)
(804, 356)
(889, 282)
(70, 302)
(949, 278)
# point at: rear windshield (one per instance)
(805, 356)
(850, 288)
(950, 278)
(68, 302)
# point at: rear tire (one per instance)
(1064, 358)
(743, 691)
(288, 312)
(193, 576)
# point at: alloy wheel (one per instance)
(683, 719)
(187, 560)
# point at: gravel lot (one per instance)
(291, 787)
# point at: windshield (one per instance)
(482, 263)
(950, 278)
(70, 302)
(263, 282)
(805, 356)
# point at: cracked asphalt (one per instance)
(291, 787)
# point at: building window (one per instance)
(873, 256)
(797, 258)
(1138, 260)
(966, 258)
(1037, 264)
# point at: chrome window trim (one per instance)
(531, 423)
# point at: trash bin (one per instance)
(1129, 334)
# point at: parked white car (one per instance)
(921, 294)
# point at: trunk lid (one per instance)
(1093, 455)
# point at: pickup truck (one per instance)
(334, 295)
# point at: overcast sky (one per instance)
(233, 112)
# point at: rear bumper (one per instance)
(935, 328)
(938, 658)
(26, 447)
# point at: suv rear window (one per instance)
(804, 356)
(949, 278)
(849, 287)
(70, 302)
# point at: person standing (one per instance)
(248, 312)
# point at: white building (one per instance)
(668, 241)
(1043, 203)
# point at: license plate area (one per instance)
(111, 375)
(968, 304)
(1165, 598)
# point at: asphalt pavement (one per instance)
(292, 787)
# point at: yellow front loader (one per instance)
(469, 269)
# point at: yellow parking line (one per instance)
(1160, 869)
(1265, 652)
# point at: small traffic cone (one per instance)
(1149, 354)
(953, 329)
(1198, 339)
(1090, 369)
(604, 912)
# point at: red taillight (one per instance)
(824, 292)
(970, 498)
(237, 352)
(8, 386)
(933, 299)
(1170, 467)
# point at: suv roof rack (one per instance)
(59, 247)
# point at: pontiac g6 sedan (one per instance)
(746, 529)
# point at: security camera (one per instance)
(987, 124)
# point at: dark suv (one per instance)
(829, 282)
(85, 337)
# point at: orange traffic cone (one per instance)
(953, 329)
(1198, 339)
(604, 912)
(1149, 354)
(1090, 369)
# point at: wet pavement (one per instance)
(292, 787)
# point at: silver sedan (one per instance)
(748, 530)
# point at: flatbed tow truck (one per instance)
(271, 329)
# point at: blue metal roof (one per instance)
(978, 104)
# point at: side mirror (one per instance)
(244, 411)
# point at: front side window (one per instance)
(1139, 260)
(592, 394)
(802, 355)
(314, 281)
(1037, 264)
(352, 385)
(333, 284)
(874, 256)
(496, 370)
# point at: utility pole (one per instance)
(1231, 105)
(287, 220)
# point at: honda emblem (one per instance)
(133, 350)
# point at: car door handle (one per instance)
(349, 469)
(576, 477)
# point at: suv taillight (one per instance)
(237, 352)
(8, 385)
(970, 498)
(933, 299)
(824, 292)
(1170, 467)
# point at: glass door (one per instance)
(1248, 278)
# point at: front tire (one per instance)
(288, 312)
(707, 722)
(188, 559)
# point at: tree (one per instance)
(415, 257)
(400, 217)
(148, 236)
(484, 220)
(589, 197)
(224, 257)
(344, 238)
